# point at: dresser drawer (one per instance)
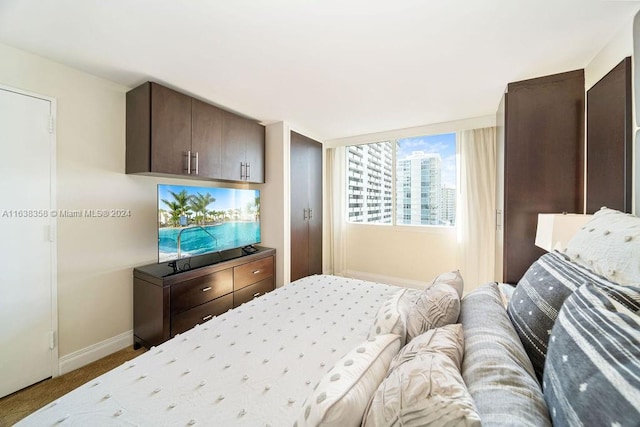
(197, 291)
(252, 272)
(252, 291)
(200, 314)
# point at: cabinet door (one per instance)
(544, 153)
(299, 208)
(255, 151)
(314, 153)
(306, 206)
(206, 138)
(234, 137)
(170, 130)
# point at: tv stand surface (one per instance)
(166, 303)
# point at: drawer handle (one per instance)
(208, 288)
(205, 318)
(257, 271)
(257, 294)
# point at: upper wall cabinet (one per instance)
(243, 150)
(170, 133)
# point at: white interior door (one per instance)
(27, 282)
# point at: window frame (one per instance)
(393, 141)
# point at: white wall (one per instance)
(275, 207)
(95, 256)
(403, 255)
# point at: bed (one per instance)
(335, 351)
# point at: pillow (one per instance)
(592, 375)
(424, 386)
(453, 279)
(342, 395)
(537, 299)
(495, 366)
(444, 340)
(392, 315)
(438, 305)
(609, 245)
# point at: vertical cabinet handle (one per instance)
(195, 161)
(310, 213)
(248, 169)
(187, 167)
(304, 214)
(242, 170)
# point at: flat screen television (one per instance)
(199, 220)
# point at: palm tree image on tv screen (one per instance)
(198, 220)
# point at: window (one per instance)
(417, 188)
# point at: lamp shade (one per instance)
(555, 230)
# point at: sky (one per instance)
(226, 198)
(445, 144)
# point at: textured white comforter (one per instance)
(251, 366)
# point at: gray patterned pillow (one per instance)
(537, 299)
(437, 306)
(495, 367)
(592, 375)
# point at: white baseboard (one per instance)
(94, 352)
(405, 283)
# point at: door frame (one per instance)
(53, 224)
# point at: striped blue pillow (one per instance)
(536, 302)
(592, 373)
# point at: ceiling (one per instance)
(331, 68)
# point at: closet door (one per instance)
(306, 206)
(543, 161)
(610, 141)
(27, 287)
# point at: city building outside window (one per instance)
(413, 177)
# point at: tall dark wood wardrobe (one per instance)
(610, 141)
(306, 206)
(540, 157)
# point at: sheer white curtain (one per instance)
(335, 262)
(476, 207)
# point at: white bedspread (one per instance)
(251, 366)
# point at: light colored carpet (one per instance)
(18, 405)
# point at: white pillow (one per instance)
(424, 385)
(453, 279)
(437, 306)
(609, 245)
(342, 395)
(392, 315)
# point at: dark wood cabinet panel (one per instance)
(206, 138)
(170, 133)
(610, 141)
(200, 290)
(306, 206)
(170, 130)
(250, 292)
(252, 272)
(243, 149)
(543, 161)
(186, 320)
(167, 303)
